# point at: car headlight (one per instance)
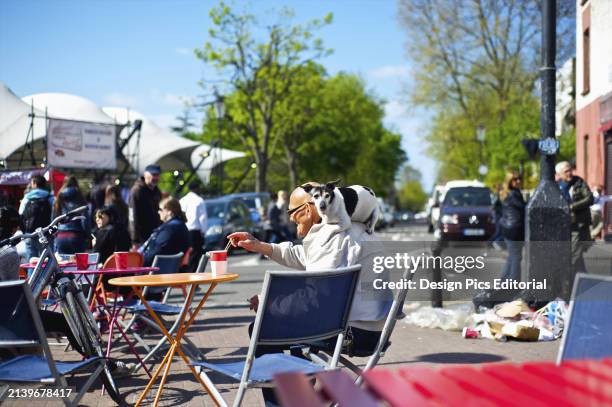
(449, 219)
(214, 230)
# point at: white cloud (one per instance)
(165, 121)
(171, 99)
(389, 72)
(183, 51)
(120, 99)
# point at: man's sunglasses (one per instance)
(292, 211)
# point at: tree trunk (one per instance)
(260, 175)
(292, 166)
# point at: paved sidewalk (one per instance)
(222, 336)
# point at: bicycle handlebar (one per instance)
(47, 230)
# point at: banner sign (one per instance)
(76, 144)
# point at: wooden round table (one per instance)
(174, 280)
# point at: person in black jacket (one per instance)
(72, 237)
(579, 197)
(144, 200)
(513, 225)
(109, 237)
(172, 236)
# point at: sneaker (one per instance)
(121, 369)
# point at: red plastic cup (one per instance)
(82, 261)
(121, 260)
(218, 262)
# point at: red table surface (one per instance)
(572, 383)
(61, 265)
(128, 270)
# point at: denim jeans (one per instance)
(33, 249)
(512, 268)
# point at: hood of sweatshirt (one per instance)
(37, 194)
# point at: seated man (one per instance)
(325, 247)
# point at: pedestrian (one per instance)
(9, 258)
(282, 203)
(273, 222)
(72, 237)
(325, 246)
(513, 225)
(579, 198)
(143, 205)
(114, 201)
(35, 210)
(172, 236)
(195, 210)
(497, 240)
(597, 208)
(109, 238)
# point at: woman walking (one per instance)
(73, 236)
(513, 225)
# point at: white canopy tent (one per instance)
(15, 123)
(68, 107)
(215, 156)
(161, 146)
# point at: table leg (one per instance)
(176, 343)
(152, 380)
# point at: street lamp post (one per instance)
(481, 134)
(220, 113)
(548, 219)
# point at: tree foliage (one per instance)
(476, 64)
(258, 65)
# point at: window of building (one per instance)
(586, 61)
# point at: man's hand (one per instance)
(250, 243)
(254, 302)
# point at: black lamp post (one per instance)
(220, 113)
(548, 218)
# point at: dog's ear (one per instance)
(332, 184)
(307, 187)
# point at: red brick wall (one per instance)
(587, 124)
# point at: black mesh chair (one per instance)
(20, 327)
(294, 308)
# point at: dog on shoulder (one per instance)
(342, 205)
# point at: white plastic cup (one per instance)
(218, 262)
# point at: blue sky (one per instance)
(139, 53)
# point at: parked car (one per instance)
(227, 215)
(466, 213)
(257, 202)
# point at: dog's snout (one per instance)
(322, 206)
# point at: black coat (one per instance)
(513, 216)
(109, 240)
(144, 206)
(170, 238)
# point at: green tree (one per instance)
(476, 65)
(411, 196)
(258, 72)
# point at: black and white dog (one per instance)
(340, 206)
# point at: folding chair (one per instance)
(383, 342)
(167, 264)
(294, 308)
(20, 326)
(586, 332)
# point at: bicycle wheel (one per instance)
(72, 314)
(91, 339)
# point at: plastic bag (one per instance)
(452, 318)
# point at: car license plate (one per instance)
(473, 232)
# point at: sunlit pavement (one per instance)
(221, 334)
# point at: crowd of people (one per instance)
(586, 222)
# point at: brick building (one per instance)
(594, 92)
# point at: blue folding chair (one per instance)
(294, 308)
(20, 326)
(167, 264)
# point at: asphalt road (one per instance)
(252, 268)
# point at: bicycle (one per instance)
(68, 293)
